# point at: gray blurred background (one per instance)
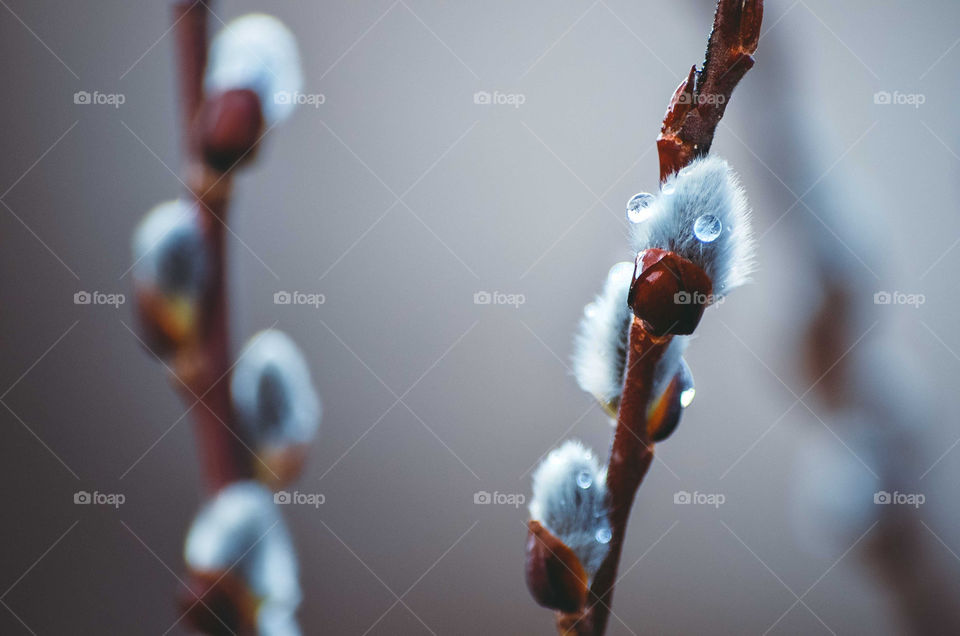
(400, 198)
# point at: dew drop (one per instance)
(707, 228)
(584, 479)
(604, 535)
(668, 188)
(638, 207)
(590, 310)
(687, 391)
(685, 171)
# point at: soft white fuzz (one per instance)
(708, 186)
(273, 394)
(240, 529)
(570, 500)
(600, 346)
(257, 52)
(169, 252)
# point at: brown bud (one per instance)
(166, 325)
(278, 466)
(664, 413)
(555, 577)
(669, 292)
(230, 125)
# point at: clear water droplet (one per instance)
(638, 207)
(584, 479)
(707, 228)
(668, 188)
(685, 171)
(590, 310)
(687, 390)
(604, 535)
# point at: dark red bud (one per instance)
(669, 292)
(555, 577)
(230, 125)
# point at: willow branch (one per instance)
(205, 363)
(687, 133)
(701, 99)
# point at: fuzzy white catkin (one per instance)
(257, 52)
(707, 186)
(600, 346)
(273, 393)
(169, 251)
(240, 529)
(570, 500)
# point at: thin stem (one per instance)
(630, 457)
(205, 365)
(190, 27)
(701, 99)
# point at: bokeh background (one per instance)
(399, 198)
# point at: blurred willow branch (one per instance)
(254, 416)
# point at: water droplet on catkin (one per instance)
(604, 535)
(707, 228)
(584, 479)
(638, 207)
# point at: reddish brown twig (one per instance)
(630, 457)
(701, 99)
(190, 28)
(687, 133)
(204, 364)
